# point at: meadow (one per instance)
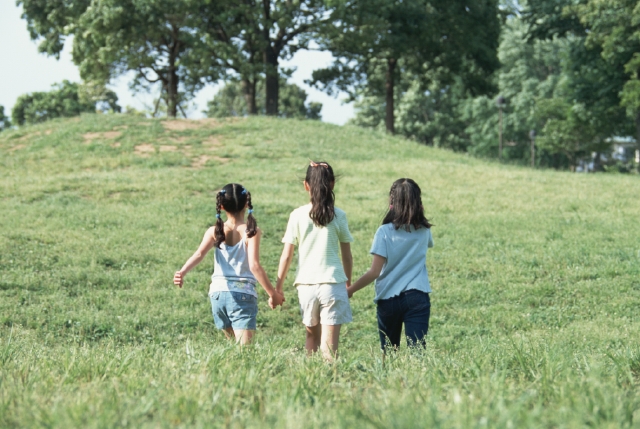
(535, 277)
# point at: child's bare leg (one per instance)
(329, 341)
(228, 332)
(243, 336)
(312, 342)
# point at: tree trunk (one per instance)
(249, 91)
(637, 137)
(389, 119)
(172, 93)
(271, 81)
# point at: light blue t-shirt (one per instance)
(406, 254)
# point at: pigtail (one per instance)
(252, 225)
(219, 235)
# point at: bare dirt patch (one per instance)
(178, 140)
(107, 135)
(17, 147)
(168, 148)
(48, 132)
(190, 124)
(29, 136)
(144, 149)
(200, 161)
(212, 142)
(116, 144)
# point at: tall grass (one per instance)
(536, 278)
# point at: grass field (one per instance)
(536, 279)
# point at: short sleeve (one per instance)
(430, 243)
(379, 245)
(344, 235)
(291, 234)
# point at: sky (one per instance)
(23, 70)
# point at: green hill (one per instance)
(536, 278)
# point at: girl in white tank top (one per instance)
(237, 269)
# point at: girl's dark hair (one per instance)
(405, 206)
(320, 179)
(233, 197)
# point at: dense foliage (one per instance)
(64, 100)
(568, 70)
(556, 81)
(4, 120)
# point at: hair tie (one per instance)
(218, 215)
(244, 191)
(223, 191)
(321, 164)
(390, 206)
(250, 211)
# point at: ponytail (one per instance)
(321, 179)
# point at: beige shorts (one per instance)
(327, 304)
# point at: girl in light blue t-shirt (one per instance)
(399, 268)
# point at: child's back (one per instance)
(231, 270)
(325, 263)
(319, 258)
(237, 269)
(399, 269)
(405, 252)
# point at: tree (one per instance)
(614, 28)
(229, 46)
(277, 29)
(230, 101)
(250, 37)
(569, 129)
(154, 39)
(4, 121)
(380, 42)
(65, 100)
(446, 114)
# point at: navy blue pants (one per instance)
(411, 307)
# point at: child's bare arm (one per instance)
(206, 245)
(253, 247)
(369, 276)
(347, 260)
(285, 263)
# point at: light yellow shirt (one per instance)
(319, 246)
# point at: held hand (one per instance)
(178, 279)
(349, 292)
(275, 300)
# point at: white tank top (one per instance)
(231, 272)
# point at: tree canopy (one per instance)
(66, 99)
(381, 42)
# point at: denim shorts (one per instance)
(234, 310)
